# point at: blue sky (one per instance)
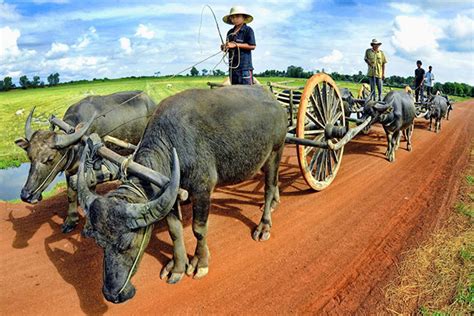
(96, 39)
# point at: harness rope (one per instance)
(133, 187)
(53, 171)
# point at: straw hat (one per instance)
(375, 42)
(238, 10)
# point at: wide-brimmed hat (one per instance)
(238, 10)
(375, 42)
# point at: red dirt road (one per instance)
(329, 252)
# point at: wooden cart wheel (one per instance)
(320, 117)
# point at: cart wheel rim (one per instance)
(320, 108)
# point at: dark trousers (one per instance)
(240, 76)
(418, 92)
(429, 91)
(376, 81)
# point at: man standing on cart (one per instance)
(419, 80)
(376, 61)
(429, 78)
(240, 43)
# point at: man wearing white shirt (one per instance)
(429, 78)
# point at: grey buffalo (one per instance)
(438, 110)
(396, 113)
(122, 115)
(221, 136)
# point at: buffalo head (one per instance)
(48, 154)
(122, 228)
(376, 110)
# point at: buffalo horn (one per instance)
(63, 141)
(85, 196)
(144, 214)
(28, 131)
(381, 106)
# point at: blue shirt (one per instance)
(244, 35)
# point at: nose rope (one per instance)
(131, 185)
(51, 173)
(135, 262)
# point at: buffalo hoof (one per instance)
(68, 226)
(409, 148)
(172, 273)
(197, 270)
(391, 158)
(262, 232)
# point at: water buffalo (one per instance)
(396, 114)
(221, 136)
(438, 110)
(123, 115)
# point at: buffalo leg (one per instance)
(397, 144)
(409, 133)
(200, 262)
(429, 128)
(389, 144)
(393, 146)
(272, 196)
(438, 125)
(177, 266)
(72, 214)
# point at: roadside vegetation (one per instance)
(16, 104)
(437, 278)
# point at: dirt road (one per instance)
(329, 251)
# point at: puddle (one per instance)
(13, 179)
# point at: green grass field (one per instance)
(56, 100)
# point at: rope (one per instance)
(51, 173)
(135, 262)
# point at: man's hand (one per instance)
(230, 45)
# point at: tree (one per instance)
(56, 78)
(50, 80)
(204, 72)
(53, 79)
(194, 72)
(7, 83)
(157, 73)
(36, 82)
(24, 82)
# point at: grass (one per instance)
(56, 100)
(437, 278)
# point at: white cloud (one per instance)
(126, 45)
(79, 63)
(57, 49)
(8, 44)
(84, 40)
(462, 27)
(145, 32)
(405, 8)
(8, 12)
(416, 36)
(335, 57)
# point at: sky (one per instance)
(85, 39)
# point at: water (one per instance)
(13, 179)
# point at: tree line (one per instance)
(450, 88)
(25, 83)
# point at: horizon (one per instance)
(117, 39)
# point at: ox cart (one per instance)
(318, 125)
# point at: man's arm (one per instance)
(240, 46)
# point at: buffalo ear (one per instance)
(22, 143)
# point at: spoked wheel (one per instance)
(320, 117)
